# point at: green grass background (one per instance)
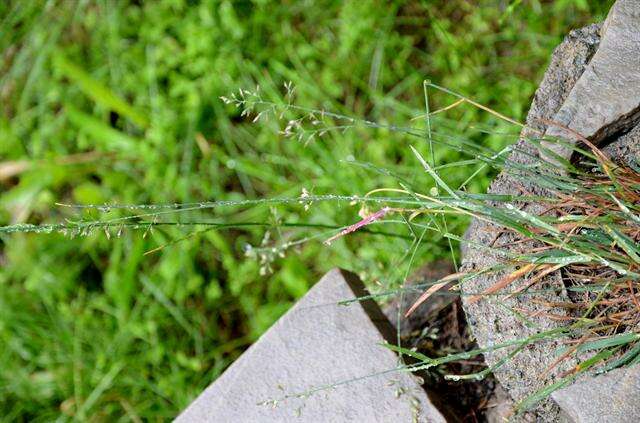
(92, 329)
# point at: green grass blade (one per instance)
(97, 91)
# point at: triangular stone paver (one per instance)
(318, 343)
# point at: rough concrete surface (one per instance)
(592, 87)
(491, 320)
(613, 398)
(606, 98)
(625, 149)
(318, 343)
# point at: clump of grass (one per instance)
(589, 229)
(601, 221)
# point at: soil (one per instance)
(439, 328)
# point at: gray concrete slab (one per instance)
(316, 344)
(606, 99)
(613, 398)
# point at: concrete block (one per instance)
(284, 376)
